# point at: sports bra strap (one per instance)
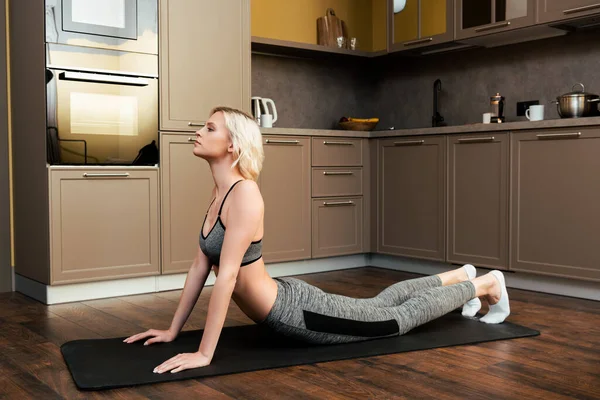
(227, 194)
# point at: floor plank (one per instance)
(562, 363)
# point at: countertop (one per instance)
(457, 129)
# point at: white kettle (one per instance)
(264, 118)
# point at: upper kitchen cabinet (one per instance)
(204, 60)
(421, 23)
(291, 27)
(482, 17)
(553, 10)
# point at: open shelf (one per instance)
(297, 49)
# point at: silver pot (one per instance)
(577, 103)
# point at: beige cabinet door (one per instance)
(555, 213)
(478, 200)
(553, 10)
(483, 17)
(104, 224)
(285, 186)
(411, 215)
(186, 189)
(337, 227)
(204, 60)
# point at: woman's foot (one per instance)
(472, 306)
(497, 297)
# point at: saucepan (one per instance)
(577, 103)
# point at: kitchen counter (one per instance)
(457, 129)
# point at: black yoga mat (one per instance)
(109, 363)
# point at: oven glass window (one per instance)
(115, 18)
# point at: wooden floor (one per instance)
(562, 363)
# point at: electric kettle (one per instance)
(260, 107)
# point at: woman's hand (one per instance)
(183, 361)
(155, 335)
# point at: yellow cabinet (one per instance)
(104, 223)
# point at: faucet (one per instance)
(436, 119)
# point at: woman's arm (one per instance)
(194, 283)
(243, 220)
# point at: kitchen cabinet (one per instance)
(285, 186)
(477, 227)
(337, 226)
(412, 193)
(186, 193)
(482, 17)
(555, 218)
(552, 10)
(204, 60)
(421, 23)
(104, 224)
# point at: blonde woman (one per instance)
(230, 243)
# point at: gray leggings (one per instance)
(307, 313)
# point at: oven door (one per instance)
(100, 118)
(126, 25)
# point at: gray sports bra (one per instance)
(212, 243)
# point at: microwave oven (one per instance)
(124, 25)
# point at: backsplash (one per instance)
(538, 70)
(310, 94)
(314, 94)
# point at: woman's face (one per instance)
(213, 140)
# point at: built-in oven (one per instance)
(102, 105)
(126, 25)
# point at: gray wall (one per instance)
(538, 70)
(5, 268)
(399, 89)
(311, 93)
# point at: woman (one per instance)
(230, 244)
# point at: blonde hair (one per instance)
(247, 141)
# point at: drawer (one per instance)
(332, 152)
(337, 181)
(337, 226)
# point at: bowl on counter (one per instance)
(358, 125)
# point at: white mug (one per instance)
(487, 118)
(266, 120)
(535, 113)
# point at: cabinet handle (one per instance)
(418, 41)
(196, 123)
(557, 135)
(339, 143)
(471, 140)
(337, 172)
(580, 9)
(495, 26)
(407, 142)
(282, 141)
(105, 175)
(191, 139)
(338, 203)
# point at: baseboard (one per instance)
(518, 280)
(125, 287)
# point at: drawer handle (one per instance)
(104, 175)
(338, 172)
(558, 135)
(407, 142)
(496, 26)
(418, 41)
(338, 203)
(191, 139)
(580, 9)
(282, 141)
(196, 124)
(339, 143)
(471, 140)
